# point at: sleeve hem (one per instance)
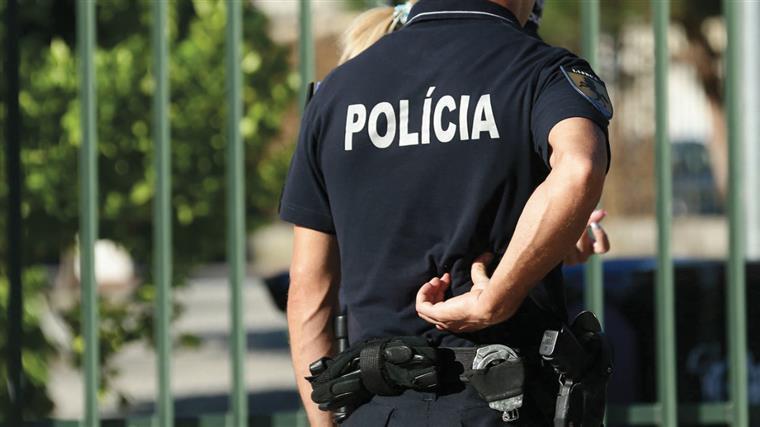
(305, 218)
(569, 114)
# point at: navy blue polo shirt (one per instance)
(420, 154)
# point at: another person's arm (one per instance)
(554, 216)
(312, 303)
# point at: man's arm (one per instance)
(553, 218)
(312, 303)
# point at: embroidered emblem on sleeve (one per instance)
(590, 87)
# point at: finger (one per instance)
(601, 241)
(426, 310)
(445, 282)
(428, 318)
(584, 249)
(585, 245)
(596, 216)
(485, 258)
(438, 289)
(436, 312)
(425, 294)
(439, 286)
(478, 271)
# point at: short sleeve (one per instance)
(304, 201)
(567, 88)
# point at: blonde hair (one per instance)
(366, 29)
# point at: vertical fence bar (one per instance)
(305, 49)
(751, 125)
(14, 332)
(162, 233)
(664, 287)
(88, 217)
(736, 309)
(590, 31)
(594, 275)
(236, 210)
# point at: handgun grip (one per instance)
(563, 351)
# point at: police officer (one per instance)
(455, 136)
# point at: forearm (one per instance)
(311, 337)
(553, 218)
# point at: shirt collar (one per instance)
(425, 10)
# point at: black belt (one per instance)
(454, 363)
(457, 358)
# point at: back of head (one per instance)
(371, 26)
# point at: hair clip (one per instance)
(400, 16)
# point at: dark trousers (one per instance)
(462, 408)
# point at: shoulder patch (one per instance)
(591, 87)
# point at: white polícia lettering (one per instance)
(356, 118)
(483, 119)
(464, 105)
(444, 135)
(384, 141)
(405, 138)
(426, 106)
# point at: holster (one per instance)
(582, 356)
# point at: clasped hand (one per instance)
(462, 313)
(471, 311)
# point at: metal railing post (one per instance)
(236, 211)
(15, 369)
(305, 50)
(751, 126)
(736, 309)
(664, 295)
(88, 227)
(162, 223)
(594, 274)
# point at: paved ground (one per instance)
(200, 377)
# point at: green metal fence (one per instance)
(665, 411)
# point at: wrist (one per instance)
(490, 310)
(496, 309)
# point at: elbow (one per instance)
(301, 291)
(592, 172)
(310, 291)
(586, 175)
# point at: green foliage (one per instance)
(51, 137)
(36, 348)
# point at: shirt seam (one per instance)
(450, 12)
(306, 210)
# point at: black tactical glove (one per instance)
(383, 366)
(389, 366)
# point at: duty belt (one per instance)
(388, 366)
(495, 371)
